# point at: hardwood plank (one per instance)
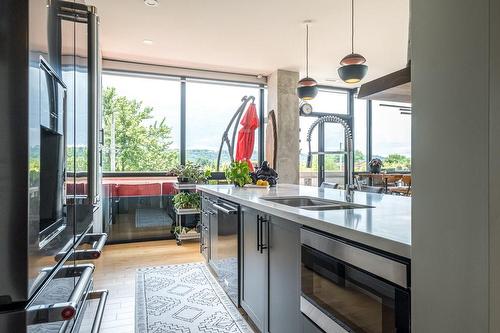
(116, 269)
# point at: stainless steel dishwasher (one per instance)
(224, 225)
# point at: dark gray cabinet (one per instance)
(253, 270)
(270, 291)
(284, 276)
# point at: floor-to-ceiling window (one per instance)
(210, 105)
(141, 123)
(151, 123)
(391, 135)
(360, 134)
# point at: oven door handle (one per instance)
(64, 311)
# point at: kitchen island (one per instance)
(386, 226)
(306, 261)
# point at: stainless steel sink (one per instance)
(311, 203)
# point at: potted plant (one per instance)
(186, 200)
(375, 165)
(190, 173)
(238, 173)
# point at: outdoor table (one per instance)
(384, 177)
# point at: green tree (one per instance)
(397, 161)
(138, 146)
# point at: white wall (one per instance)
(454, 203)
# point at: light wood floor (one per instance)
(115, 271)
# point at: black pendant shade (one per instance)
(307, 88)
(353, 68)
(352, 73)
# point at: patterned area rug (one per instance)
(184, 299)
(151, 217)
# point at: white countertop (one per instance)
(387, 226)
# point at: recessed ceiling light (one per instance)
(148, 41)
(152, 3)
(332, 80)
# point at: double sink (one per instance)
(312, 203)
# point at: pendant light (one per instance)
(352, 68)
(307, 88)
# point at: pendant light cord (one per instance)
(307, 50)
(352, 26)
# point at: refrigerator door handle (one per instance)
(102, 295)
(93, 106)
(64, 311)
(97, 241)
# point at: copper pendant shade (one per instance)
(353, 68)
(307, 88)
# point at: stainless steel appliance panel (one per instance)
(342, 291)
(50, 225)
(224, 254)
(16, 187)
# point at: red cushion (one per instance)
(142, 190)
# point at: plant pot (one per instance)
(375, 168)
(183, 180)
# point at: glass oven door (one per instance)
(342, 298)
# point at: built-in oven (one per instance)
(350, 288)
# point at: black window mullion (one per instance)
(183, 122)
(369, 121)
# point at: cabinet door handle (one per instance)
(261, 222)
(258, 232)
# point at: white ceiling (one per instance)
(256, 37)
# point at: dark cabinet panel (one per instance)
(271, 272)
(284, 276)
(254, 270)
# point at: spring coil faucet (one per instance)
(349, 146)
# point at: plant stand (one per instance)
(181, 236)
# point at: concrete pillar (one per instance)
(282, 98)
(455, 166)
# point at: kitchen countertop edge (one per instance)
(374, 241)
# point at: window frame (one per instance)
(349, 118)
(182, 110)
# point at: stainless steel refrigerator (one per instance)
(49, 165)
